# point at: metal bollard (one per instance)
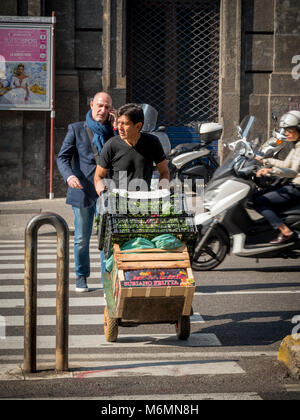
(62, 290)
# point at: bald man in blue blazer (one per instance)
(76, 162)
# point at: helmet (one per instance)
(290, 119)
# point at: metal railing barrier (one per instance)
(62, 290)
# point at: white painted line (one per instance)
(95, 275)
(51, 240)
(18, 248)
(254, 292)
(43, 242)
(238, 396)
(46, 287)
(292, 387)
(20, 266)
(51, 302)
(48, 276)
(48, 256)
(95, 341)
(163, 368)
(13, 251)
(196, 318)
(48, 320)
(91, 319)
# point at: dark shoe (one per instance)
(283, 239)
(81, 285)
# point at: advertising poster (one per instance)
(25, 66)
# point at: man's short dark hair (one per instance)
(133, 111)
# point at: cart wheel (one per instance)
(110, 327)
(183, 327)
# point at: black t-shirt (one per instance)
(126, 163)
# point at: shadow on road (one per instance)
(249, 328)
(244, 287)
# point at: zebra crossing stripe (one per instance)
(51, 302)
(43, 240)
(47, 255)
(82, 319)
(47, 276)
(20, 266)
(50, 320)
(45, 288)
(214, 396)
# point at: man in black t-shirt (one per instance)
(129, 157)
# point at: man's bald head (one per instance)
(101, 106)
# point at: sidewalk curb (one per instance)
(289, 354)
(14, 216)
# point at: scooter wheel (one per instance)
(183, 327)
(110, 327)
(213, 251)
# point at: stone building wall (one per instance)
(22, 142)
(271, 38)
(25, 135)
(259, 74)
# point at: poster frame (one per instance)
(34, 23)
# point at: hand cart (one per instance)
(147, 286)
(145, 300)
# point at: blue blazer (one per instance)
(76, 157)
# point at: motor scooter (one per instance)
(227, 225)
(195, 161)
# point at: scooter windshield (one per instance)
(246, 142)
(249, 135)
(150, 117)
(253, 130)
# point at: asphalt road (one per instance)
(242, 312)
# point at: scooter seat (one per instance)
(187, 147)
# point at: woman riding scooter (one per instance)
(272, 203)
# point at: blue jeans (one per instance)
(83, 223)
(274, 202)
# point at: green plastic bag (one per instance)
(136, 243)
(109, 263)
(166, 241)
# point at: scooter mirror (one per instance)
(239, 131)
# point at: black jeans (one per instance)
(272, 203)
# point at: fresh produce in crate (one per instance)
(147, 215)
(123, 228)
